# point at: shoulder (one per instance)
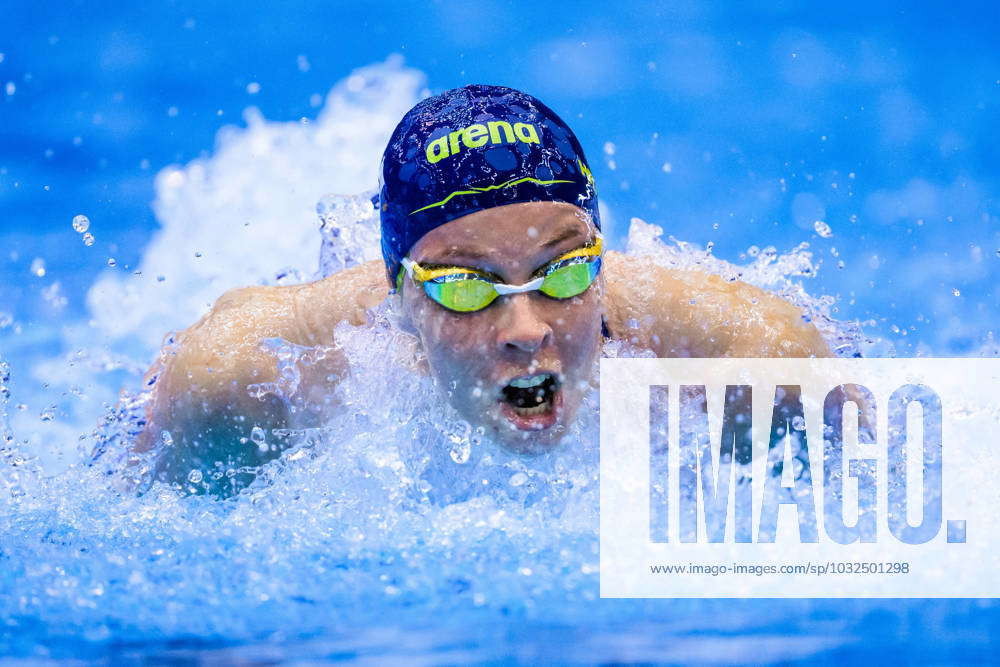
(229, 336)
(700, 314)
(303, 314)
(344, 296)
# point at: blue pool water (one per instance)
(198, 141)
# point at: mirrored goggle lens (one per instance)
(463, 295)
(572, 279)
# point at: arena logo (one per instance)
(782, 477)
(477, 135)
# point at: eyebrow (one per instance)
(566, 233)
(455, 253)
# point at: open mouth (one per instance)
(531, 402)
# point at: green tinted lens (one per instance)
(572, 279)
(464, 295)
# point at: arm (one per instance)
(697, 314)
(200, 394)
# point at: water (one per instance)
(395, 531)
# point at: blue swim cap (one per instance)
(470, 149)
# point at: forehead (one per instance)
(515, 230)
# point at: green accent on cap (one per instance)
(474, 190)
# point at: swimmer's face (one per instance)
(521, 345)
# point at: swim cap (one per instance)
(470, 149)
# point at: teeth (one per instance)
(528, 382)
(527, 412)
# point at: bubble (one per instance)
(253, 88)
(517, 479)
(38, 267)
(823, 229)
(955, 292)
(88, 239)
(81, 223)
(167, 439)
(195, 476)
(112, 262)
(798, 423)
(667, 168)
(48, 414)
(258, 437)
(460, 453)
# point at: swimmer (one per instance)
(492, 247)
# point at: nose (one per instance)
(521, 327)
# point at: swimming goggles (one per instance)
(467, 290)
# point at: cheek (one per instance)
(452, 344)
(578, 323)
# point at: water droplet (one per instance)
(194, 476)
(197, 254)
(81, 223)
(461, 452)
(48, 414)
(258, 437)
(88, 239)
(160, 279)
(112, 262)
(955, 291)
(38, 267)
(823, 229)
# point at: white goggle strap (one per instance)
(519, 289)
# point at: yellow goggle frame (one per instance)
(467, 290)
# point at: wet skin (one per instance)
(200, 391)
(475, 355)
